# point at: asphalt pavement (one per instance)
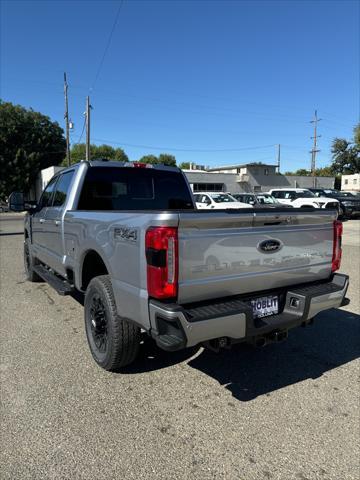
(289, 411)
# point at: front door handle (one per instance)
(57, 222)
(42, 220)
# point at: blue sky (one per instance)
(213, 82)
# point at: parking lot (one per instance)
(287, 411)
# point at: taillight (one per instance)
(161, 248)
(140, 165)
(336, 258)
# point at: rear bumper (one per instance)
(175, 326)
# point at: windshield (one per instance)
(346, 194)
(222, 198)
(266, 199)
(305, 194)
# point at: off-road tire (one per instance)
(29, 263)
(123, 337)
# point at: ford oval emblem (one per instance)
(270, 246)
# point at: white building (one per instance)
(42, 180)
(351, 182)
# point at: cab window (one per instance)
(278, 194)
(46, 197)
(62, 189)
(290, 195)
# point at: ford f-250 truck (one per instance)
(129, 237)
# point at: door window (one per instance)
(62, 189)
(290, 195)
(46, 197)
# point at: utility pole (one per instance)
(314, 149)
(66, 116)
(87, 120)
(278, 158)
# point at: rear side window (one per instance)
(62, 189)
(108, 188)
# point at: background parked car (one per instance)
(349, 205)
(260, 200)
(354, 194)
(4, 207)
(302, 198)
(217, 200)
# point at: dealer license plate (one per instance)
(265, 306)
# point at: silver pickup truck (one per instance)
(129, 237)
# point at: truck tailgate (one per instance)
(221, 254)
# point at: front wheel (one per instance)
(29, 263)
(114, 342)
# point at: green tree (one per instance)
(324, 172)
(96, 151)
(319, 172)
(300, 171)
(162, 159)
(184, 165)
(29, 142)
(166, 159)
(149, 159)
(346, 154)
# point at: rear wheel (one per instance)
(29, 263)
(114, 342)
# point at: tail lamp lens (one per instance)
(337, 251)
(161, 245)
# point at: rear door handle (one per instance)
(57, 222)
(42, 220)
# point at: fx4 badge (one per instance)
(269, 246)
(126, 234)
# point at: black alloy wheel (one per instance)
(113, 340)
(99, 327)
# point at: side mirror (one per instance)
(16, 202)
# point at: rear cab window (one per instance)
(129, 188)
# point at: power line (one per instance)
(107, 45)
(82, 133)
(174, 149)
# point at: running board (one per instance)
(61, 286)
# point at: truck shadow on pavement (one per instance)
(333, 340)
